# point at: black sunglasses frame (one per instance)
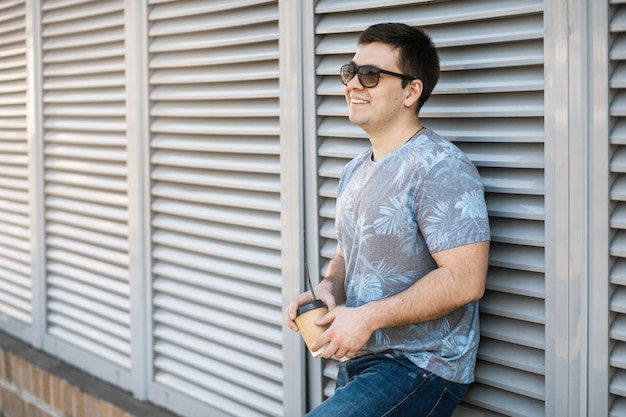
(357, 71)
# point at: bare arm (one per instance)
(458, 280)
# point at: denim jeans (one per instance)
(379, 385)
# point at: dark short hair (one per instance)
(417, 55)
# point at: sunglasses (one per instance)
(369, 75)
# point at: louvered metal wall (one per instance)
(215, 343)
(617, 138)
(15, 251)
(216, 203)
(489, 101)
(84, 138)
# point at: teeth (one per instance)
(359, 101)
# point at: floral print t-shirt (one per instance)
(422, 198)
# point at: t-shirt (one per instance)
(422, 198)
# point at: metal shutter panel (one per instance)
(489, 101)
(617, 304)
(216, 237)
(87, 261)
(15, 254)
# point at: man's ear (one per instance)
(414, 92)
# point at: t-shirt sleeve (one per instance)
(450, 206)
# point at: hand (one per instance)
(347, 334)
(322, 291)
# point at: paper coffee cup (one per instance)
(305, 319)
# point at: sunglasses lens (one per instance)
(348, 71)
(368, 76)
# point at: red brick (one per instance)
(116, 412)
(79, 403)
(45, 388)
(2, 366)
(91, 406)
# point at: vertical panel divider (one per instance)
(138, 149)
(291, 195)
(598, 334)
(34, 122)
(558, 217)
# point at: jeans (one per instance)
(378, 385)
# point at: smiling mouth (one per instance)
(355, 101)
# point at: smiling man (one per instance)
(413, 244)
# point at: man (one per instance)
(413, 242)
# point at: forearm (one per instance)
(445, 289)
(335, 278)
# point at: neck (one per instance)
(385, 143)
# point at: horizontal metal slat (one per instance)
(517, 332)
(88, 264)
(219, 90)
(104, 240)
(241, 341)
(213, 282)
(102, 324)
(86, 95)
(617, 329)
(617, 302)
(526, 207)
(429, 14)
(106, 292)
(617, 245)
(97, 37)
(505, 155)
(513, 306)
(618, 272)
(503, 401)
(519, 232)
(242, 35)
(79, 25)
(88, 340)
(95, 308)
(88, 331)
(512, 356)
(618, 216)
(217, 196)
(85, 161)
(84, 53)
(247, 272)
(216, 368)
(98, 211)
(87, 250)
(219, 231)
(168, 20)
(512, 380)
(255, 365)
(525, 258)
(262, 51)
(217, 109)
(15, 295)
(262, 145)
(617, 384)
(512, 180)
(524, 283)
(257, 164)
(243, 217)
(8, 262)
(190, 382)
(112, 184)
(20, 234)
(15, 249)
(100, 198)
(617, 357)
(254, 181)
(261, 335)
(101, 66)
(222, 126)
(342, 148)
(220, 303)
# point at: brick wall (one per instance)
(33, 384)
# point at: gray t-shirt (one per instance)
(422, 198)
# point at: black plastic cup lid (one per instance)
(310, 306)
